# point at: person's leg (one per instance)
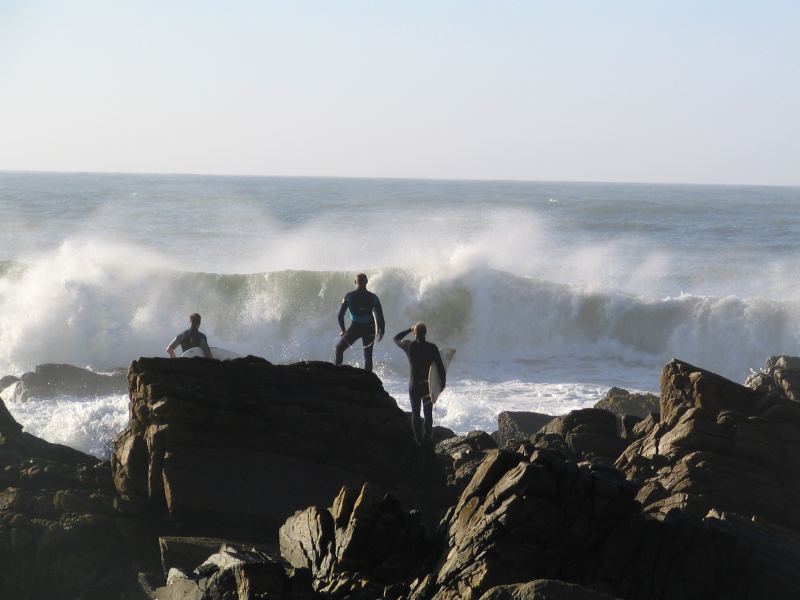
(416, 421)
(427, 409)
(368, 339)
(345, 342)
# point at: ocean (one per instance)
(551, 292)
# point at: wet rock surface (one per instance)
(50, 380)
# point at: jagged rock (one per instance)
(780, 377)
(543, 589)
(541, 517)
(364, 543)
(524, 518)
(271, 438)
(51, 380)
(460, 457)
(515, 426)
(621, 402)
(718, 446)
(590, 433)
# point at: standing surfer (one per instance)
(421, 355)
(365, 311)
(191, 338)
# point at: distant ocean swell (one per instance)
(103, 314)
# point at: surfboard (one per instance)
(434, 382)
(218, 353)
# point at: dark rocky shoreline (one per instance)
(247, 480)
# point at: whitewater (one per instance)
(552, 292)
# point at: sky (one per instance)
(660, 91)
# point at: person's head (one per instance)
(361, 280)
(194, 320)
(420, 330)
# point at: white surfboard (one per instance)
(434, 382)
(218, 353)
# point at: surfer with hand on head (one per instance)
(191, 338)
(366, 315)
(421, 355)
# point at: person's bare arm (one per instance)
(172, 345)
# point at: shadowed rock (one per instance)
(51, 380)
(240, 445)
(364, 543)
(719, 446)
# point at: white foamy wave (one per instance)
(91, 305)
(86, 424)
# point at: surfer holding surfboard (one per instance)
(191, 338)
(422, 356)
(367, 323)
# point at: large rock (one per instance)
(721, 446)
(229, 447)
(622, 402)
(523, 519)
(51, 380)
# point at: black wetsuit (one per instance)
(421, 355)
(191, 338)
(361, 304)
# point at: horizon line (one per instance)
(395, 178)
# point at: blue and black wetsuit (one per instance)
(421, 355)
(364, 309)
(191, 338)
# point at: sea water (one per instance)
(551, 292)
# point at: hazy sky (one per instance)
(661, 91)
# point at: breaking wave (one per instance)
(91, 306)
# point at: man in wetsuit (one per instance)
(190, 338)
(421, 355)
(364, 309)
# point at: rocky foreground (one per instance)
(247, 480)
